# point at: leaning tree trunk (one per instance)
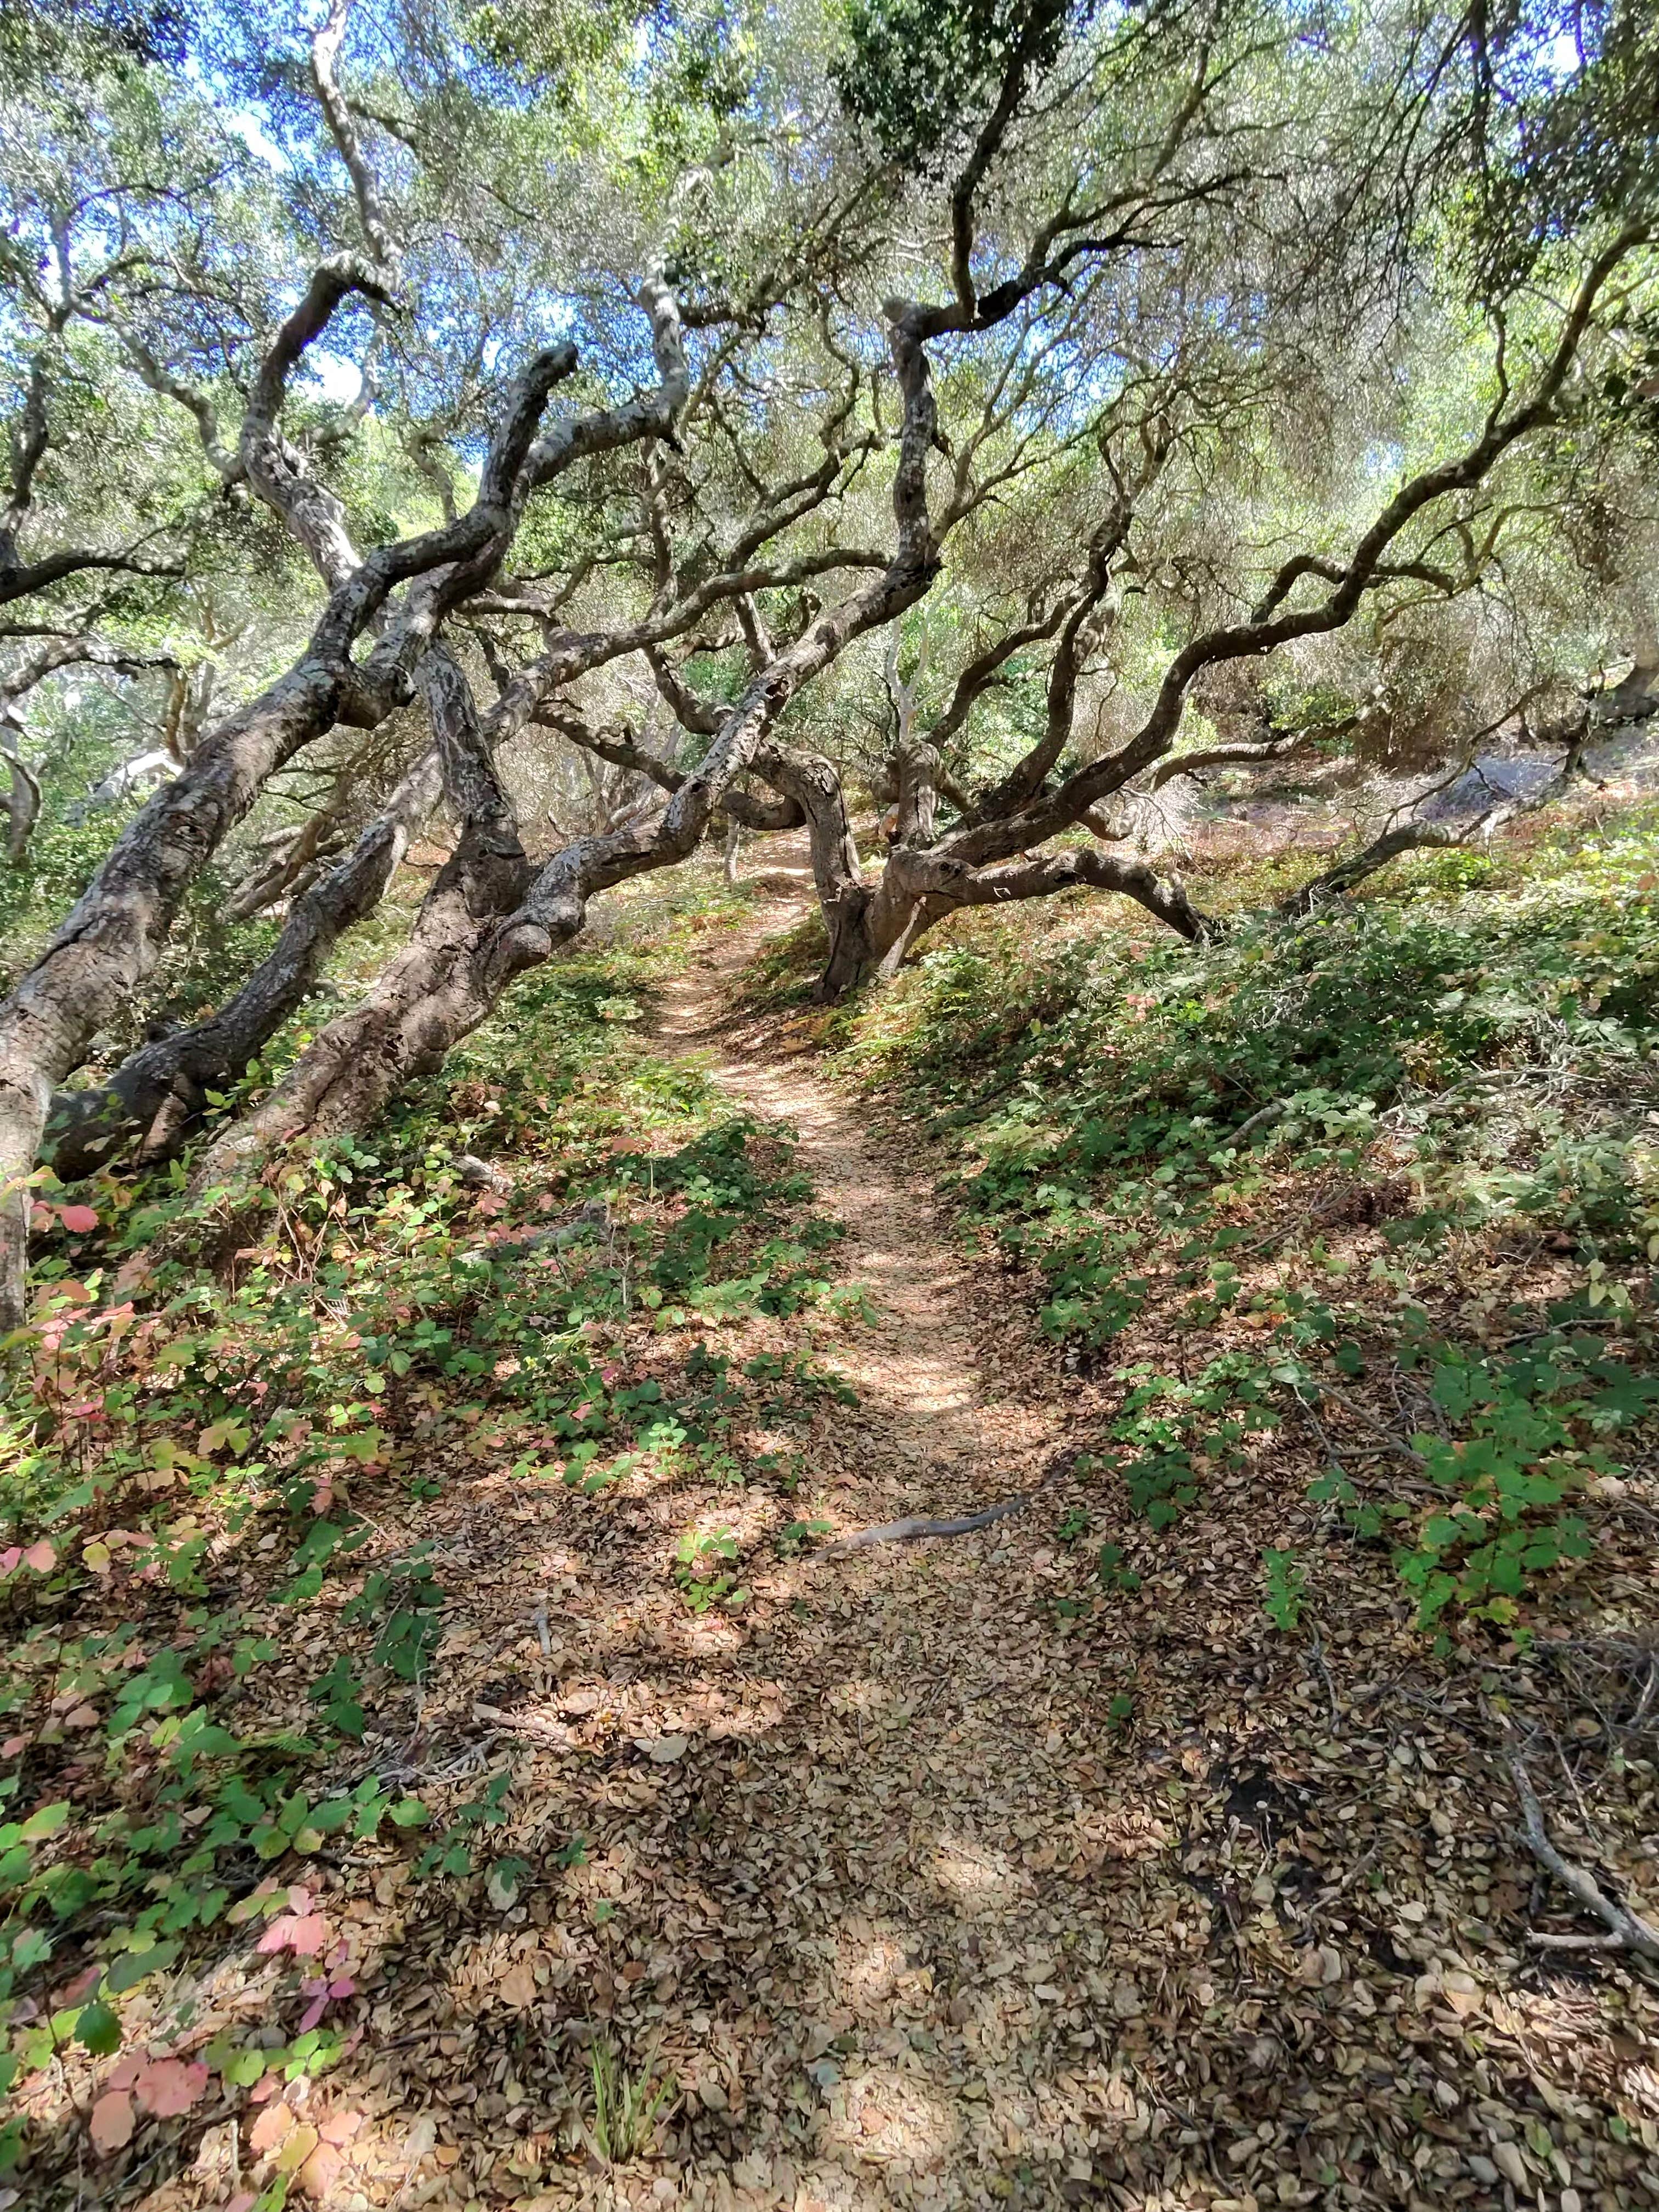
(478, 932)
(114, 935)
(844, 897)
(161, 1088)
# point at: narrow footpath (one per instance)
(936, 1875)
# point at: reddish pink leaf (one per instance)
(126, 2071)
(304, 1934)
(110, 2121)
(170, 2086)
(268, 2131)
(77, 1219)
(344, 1987)
(313, 2013)
(40, 1557)
(8, 1559)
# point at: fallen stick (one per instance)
(554, 1734)
(1628, 1932)
(918, 1526)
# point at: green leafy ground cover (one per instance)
(206, 1462)
(1341, 1231)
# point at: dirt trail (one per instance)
(918, 1367)
(872, 1868)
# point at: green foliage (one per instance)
(1113, 1574)
(384, 1317)
(921, 73)
(626, 2103)
(1181, 1432)
(1286, 1581)
(1153, 1134)
(701, 1571)
(1530, 1426)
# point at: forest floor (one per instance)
(912, 1918)
(908, 1876)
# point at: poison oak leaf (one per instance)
(169, 2087)
(110, 2121)
(270, 2128)
(304, 1934)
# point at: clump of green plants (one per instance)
(627, 2102)
(704, 1567)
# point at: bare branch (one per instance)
(324, 59)
(1626, 1930)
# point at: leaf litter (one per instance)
(933, 1874)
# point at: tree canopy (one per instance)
(600, 426)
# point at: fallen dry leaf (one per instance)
(516, 1987)
(663, 1750)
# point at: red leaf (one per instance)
(170, 2086)
(78, 1219)
(111, 2123)
(304, 1934)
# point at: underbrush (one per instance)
(1389, 1177)
(223, 1594)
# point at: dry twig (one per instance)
(1627, 1930)
(918, 1525)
